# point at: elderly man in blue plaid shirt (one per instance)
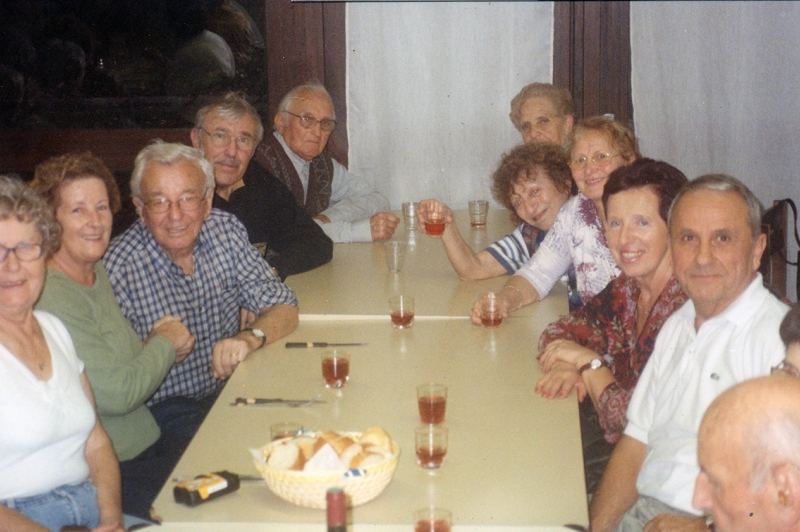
(184, 258)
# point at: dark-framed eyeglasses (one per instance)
(600, 160)
(327, 124)
(186, 204)
(221, 139)
(23, 252)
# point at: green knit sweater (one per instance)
(123, 372)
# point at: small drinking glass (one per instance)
(401, 310)
(335, 368)
(432, 402)
(478, 210)
(410, 214)
(431, 445)
(434, 223)
(491, 316)
(284, 429)
(395, 253)
(432, 520)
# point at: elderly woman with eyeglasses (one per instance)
(57, 464)
(123, 371)
(595, 147)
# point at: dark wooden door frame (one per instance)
(592, 57)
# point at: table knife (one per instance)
(249, 401)
(317, 344)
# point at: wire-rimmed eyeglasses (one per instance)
(221, 139)
(327, 124)
(600, 160)
(186, 204)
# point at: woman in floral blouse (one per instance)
(601, 348)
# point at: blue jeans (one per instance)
(64, 506)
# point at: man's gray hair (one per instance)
(309, 86)
(724, 183)
(162, 152)
(231, 106)
(20, 202)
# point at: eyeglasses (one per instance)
(221, 139)
(162, 205)
(23, 252)
(600, 160)
(308, 122)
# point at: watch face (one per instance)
(596, 363)
(257, 332)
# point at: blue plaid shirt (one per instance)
(228, 274)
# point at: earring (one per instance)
(783, 497)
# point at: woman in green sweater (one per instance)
(123, 371)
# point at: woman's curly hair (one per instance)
(528, 162)
(52, 173)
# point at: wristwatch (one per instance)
(258, 333)
(594, 364)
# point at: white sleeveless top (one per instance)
(43, 425)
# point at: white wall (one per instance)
(429, 87)
(715, 89)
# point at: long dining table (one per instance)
(514, 459)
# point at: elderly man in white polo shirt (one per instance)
(725, 334)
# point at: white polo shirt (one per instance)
(687, 371)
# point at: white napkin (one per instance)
(325, 459)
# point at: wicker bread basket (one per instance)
(308, 489)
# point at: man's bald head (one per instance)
(749, 454)
(764, 416)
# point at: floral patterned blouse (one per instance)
(576, 239)
(607, 325)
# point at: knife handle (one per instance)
(306, 344)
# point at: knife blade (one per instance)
(250, 401)
(317, 344)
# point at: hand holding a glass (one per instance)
(434, 216)
(517, 293)
(490, 310)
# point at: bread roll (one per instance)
(308, 445)
(338, 442)
(377, 449)
(377, 436)
(330, 436)
(351, 452)
(286, 456)
(371, 459)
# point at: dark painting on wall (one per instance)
(125, 64)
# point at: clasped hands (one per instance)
(560, 362)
